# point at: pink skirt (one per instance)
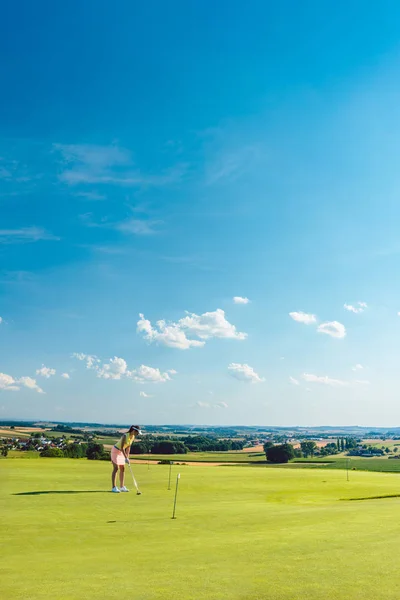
(117, 456)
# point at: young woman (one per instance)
(120, 457)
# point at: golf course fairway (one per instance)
(247, 533)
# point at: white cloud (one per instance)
(45, 372)
(1, 320)
(65, 375)
(221, 405)
(240, 300)
(8, 383)
(244, 373)
(333, 328)
(358, 308)
(311, 378)
(209, 325)
(167, 335)
(25, 235)
(30, 383)
(117, 368)
(91, 164)
(144, 395)
(90, 359)
(202, 404)
(146, 374)
(114, 369)
(324, 379)
(175, 335)
(302, 317)
(294, 381)
(138, 226)
(357, 367)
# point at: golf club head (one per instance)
(138, 493)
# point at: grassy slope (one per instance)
(258, 459)
(241, 534)
(227, 457)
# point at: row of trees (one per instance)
(161, 447)
(282, 453)
(92, 451)
(309, 447)
(199, 443)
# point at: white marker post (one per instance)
(176, 494)
(169, 478)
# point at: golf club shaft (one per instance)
(133, 477)
(176, 494)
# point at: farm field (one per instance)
(240, 533)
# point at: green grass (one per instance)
(241, 533)
(258, 459)
(383, 465)
(105, 440)
(228, 457)
(23, 454)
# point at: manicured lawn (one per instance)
(383, 465)
(241, 533)
(233, 457)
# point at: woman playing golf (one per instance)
(120, 457)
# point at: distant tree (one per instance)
(280, 454)
(338, 444)
(4, 451)
(329, 449)
(396, 449)
(308, 448)
(142, 447)
(169, 447)
(297, 453)
(268, 445)
(387, 450)
(342, 444)
(95, 451)
(75, 450)
(52, 453)
(350, 443)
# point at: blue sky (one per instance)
(161, 159)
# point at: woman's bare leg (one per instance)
(114, 475)
(121, 475)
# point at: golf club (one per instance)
(138, 492)
(176, 494)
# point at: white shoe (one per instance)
(115, 490)
(124, 489)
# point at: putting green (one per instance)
(241, 533)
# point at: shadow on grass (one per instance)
(371, 497)
(61, 492)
